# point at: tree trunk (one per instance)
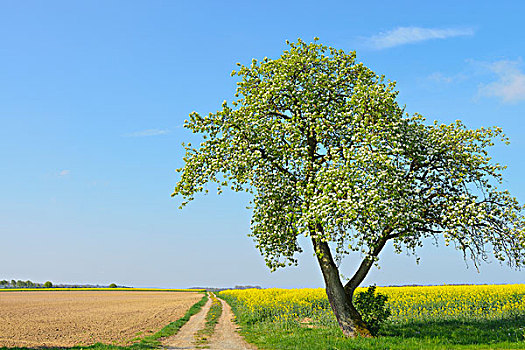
(346, 314)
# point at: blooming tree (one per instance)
(326, 151)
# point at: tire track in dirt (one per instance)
(186, 335)
(225, 336)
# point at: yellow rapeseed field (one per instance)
(406, 303)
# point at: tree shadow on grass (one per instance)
(461, 332)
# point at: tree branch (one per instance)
(265, 156)
(367, 262)
(277, 114)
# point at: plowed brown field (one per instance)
(70, 318)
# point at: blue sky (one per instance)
(93, 96)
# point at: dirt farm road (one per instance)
(225, 336)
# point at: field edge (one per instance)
(148, 342)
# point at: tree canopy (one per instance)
(323, 146)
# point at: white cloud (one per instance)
(408, 35)
(64, 172)
(510, 86)
(148, 132)
(441, 78)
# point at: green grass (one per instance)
(148, 342)
(212, 318)
(508, 333)
(272, 336)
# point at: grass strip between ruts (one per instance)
(212, 318)
(148, 342)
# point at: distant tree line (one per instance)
(218, 289)
(24, 284)
(247, 287)
(29, 284)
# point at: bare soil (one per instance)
(226, 334)
(68, 318)
(224, 337)
(185, 337)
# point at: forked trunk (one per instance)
(346, 314)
